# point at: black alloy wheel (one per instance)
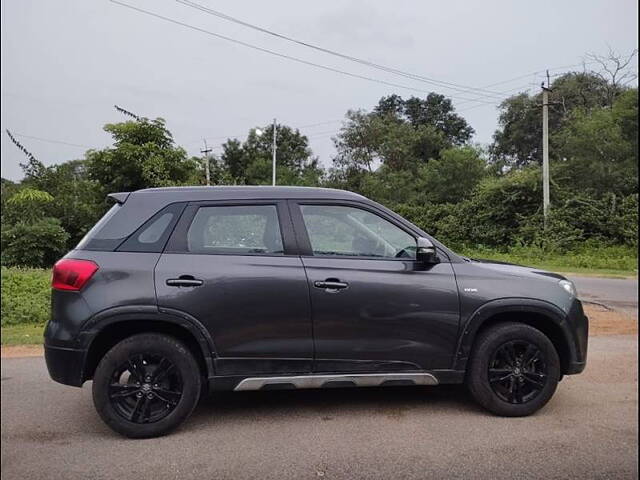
(145, 389)
(517, 372)
(147, 385)
(513, 369)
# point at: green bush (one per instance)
(36, 245)
(26, 296)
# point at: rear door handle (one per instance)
(331, 284)
(184, 281)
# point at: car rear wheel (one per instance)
(146, 385)
(514, 369)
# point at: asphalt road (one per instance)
(618, 293)
(588, 430)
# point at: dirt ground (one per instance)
(605, 321)
(602, 321)
(15, 351)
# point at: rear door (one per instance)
(374, 307)
(234, 266)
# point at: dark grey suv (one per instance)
(180, 291)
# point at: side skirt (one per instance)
(336, 381)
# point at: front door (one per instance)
(233, 266)
(374, 307)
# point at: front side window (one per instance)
(348, 231)
(250, 229)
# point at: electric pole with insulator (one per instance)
(205, 158)
(545, 149)
(273, 173)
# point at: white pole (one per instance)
(205, 159)
(545, 154)
(273, 173)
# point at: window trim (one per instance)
(178, 241)
(306, 251)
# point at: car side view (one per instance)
(184, 291)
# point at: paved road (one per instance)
(618, 293)
(588, 430)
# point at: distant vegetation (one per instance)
(415, 155)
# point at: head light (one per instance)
(568, 286)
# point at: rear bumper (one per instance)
(65, 364)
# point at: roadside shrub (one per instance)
(38, 244)
(26, 296)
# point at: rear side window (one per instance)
(154, 233)
(245, 229)
(95, 239)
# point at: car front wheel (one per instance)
(146, 385)
(514, 369)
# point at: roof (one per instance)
(245, 193)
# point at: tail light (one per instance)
(71, 274)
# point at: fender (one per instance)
(502, 305)
(94, 325)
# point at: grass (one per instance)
(25, 334)
(605, 262)
(26, 296)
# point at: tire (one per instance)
(146, 385)
(505, 376)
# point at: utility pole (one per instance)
(545, 149)
(273, 174)
(205, 158)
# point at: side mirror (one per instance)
(426, 251)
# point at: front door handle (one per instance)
(184, 281)
(331, 285)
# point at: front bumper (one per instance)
(65, 364)
(579, 326)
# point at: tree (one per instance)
(250, 162)
(518, 140)
(368, 140)
(30, 238)
(600, 148)
(454, 176)
(27, 205)
(9, 188)
(143, 156)
(78, 201)
(37, 245)
(397, 136)
(614, 71)
(435, 110)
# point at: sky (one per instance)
(65, 63)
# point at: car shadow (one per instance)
(328, 401)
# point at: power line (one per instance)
(298, 127)
(421, 78)
(521, 87)
(537, 72)
(277, 54)
(49, 140)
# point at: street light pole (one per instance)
(273, 173)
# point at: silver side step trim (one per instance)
(357, 380)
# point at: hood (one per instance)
(514, 269)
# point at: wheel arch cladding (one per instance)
(115, 331)
(540, 315)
